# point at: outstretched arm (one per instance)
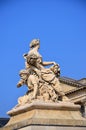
(48, 63)
(20, 83)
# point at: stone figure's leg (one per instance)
(53, 95)
(57, 87)
(33, 81)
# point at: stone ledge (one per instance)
(44, 105)
(45, 114)
(45, 122)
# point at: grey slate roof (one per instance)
(3, 121)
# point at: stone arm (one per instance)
(45, 63)
(20, 83)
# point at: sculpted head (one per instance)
(34, 43)
(24, 74)
(56, 69)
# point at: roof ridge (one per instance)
(70, 81)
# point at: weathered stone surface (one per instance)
(45, 114)
(38, 127)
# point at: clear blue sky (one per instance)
(61, 27)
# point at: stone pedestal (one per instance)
(46, 116)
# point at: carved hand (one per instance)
(19, 85)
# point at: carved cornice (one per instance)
(75, 83)
(71, 82)
(76, 89)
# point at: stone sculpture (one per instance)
(44, 106)
(43, 83)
